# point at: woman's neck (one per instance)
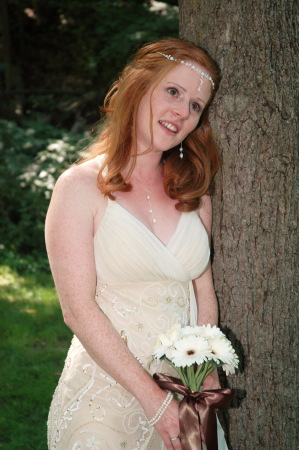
(147, 166)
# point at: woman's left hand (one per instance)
(211, 381)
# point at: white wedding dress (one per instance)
(143, 287)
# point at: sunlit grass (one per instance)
(33, 345)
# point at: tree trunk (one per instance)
(256, 207)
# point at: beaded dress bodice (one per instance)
(143, 287)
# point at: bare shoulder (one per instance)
(79, 183)
(69, 227)
(77, 202)
(82, 175)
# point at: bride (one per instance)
(127, 236)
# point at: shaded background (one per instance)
(57, 61)
(58, 58)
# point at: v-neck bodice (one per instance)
(126, 250)
(143, 288)
(142, 224)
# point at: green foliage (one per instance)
(130, 24)
(64, 56)
(33, 346)
(67, 50)
(32, 157)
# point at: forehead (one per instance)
(190, 80)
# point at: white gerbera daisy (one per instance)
(163, 344)
(210, 332)
(222, 351)
(165, 341)
(175, 332)
(191, 331)
(230, 368)
(190, 350)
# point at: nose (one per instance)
(182, 110)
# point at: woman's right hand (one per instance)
(168, 426)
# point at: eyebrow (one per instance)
(185, 90)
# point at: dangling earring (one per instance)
(181, 151)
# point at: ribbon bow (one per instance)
(196, 412)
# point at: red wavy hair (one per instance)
(185, 180)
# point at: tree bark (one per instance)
(256, 207)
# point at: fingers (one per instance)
(211, 381)
(169, 428)
(176, 443)
(171, 440)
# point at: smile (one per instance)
(169, 126)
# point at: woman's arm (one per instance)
(207, 305)
(69, 240)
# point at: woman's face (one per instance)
(177, 105)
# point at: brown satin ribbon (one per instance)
(196, 412)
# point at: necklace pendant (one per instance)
(148, 197)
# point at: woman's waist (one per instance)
(141, 294)
(141, 311)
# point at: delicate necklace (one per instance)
(148, 196)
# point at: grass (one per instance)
(33, 345)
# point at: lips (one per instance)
(169, 125)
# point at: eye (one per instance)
(172, 91)
(195, 107)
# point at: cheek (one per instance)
(194, 123)
(155, 104)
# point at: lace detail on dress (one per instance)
(143, 287)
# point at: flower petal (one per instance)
(190, 350)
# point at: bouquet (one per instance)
(194, 352)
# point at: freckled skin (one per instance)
(176, 99)
(75, 212)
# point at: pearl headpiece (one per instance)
(188, 64)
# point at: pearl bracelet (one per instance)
(161, 410)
